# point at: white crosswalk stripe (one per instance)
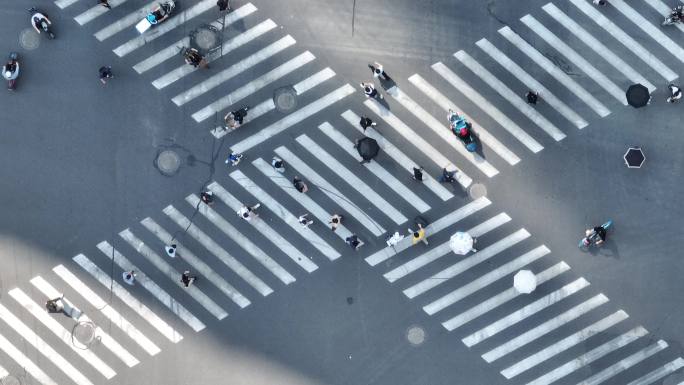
(487, 107)
(509, 95)
(267, 200)
(125, 22)
(624, 364)
(197, 263)
(397, 155)
(110, 343)
(550, 68)
(26, 364)
(664, 11)
(95, 11)
(659, 373)
(64, 3)
(218, 251)
(173, 274)
(160, 294)
(385, 176)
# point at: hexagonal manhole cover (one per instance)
(29, 39)
(285, 99)
(168, 162)
(477, 190)
(415, 335)
(84, 332)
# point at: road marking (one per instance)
(564, 344)
(97, 302)
(390, 180)
(544, 328)
(421, 144)
(487, 107)
(328, 189)
(525, 312)
(465, 264)
(218, 251)
(664, 11)
(234, 70)
(659, 373)
(50, 292)
(23, 361)
(3, 372)
(227, 48)
(286, 186)
(46, 350)
(293, 118)
(95, 11)
(433, 228)
(554, 71)
(398, 156)
(267, 200)
(631, 44)
(524, 77)
(143, 311)
(589, 357)
(124, 22)
(443, 131)
(64, 3)
(572, 55)
(253, 86)
(172, 274)
(625, 364)
(174, 49)
(502, 89)
(443, 249)
(197, 263)
(160, 294)
(354, 181)
(501, 298)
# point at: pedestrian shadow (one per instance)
(608, 249)
(383, 102)
(387, 85)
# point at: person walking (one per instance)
(418, 173)
(379, 72)
(171, 250)
(304, 221)
(532, 97)
(675, 93)
(55, 305)
(370, 91)
(223, 5)
(418, 235)
(187, 279)
(299, 185)
(105, 73)
(366, 122)
(335, 221)
(447, 176)
(353, 241)
(207, 197)
(194, 58)
(129, 277)
(248, 212)
(600, 2)
(234, 158)
(104, 3)
(278, 164)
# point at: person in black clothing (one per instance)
(601, 233)
(105, 3)
(223, 5)
(105, 73)
(299, 185)
(447, 176)
(207, 197)
(353, 241)
(418, 173)
(366, 122)
(187, 279)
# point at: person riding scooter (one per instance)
(158, 14)
(194, 58)
(37, 20)
(10, 70)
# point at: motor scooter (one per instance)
(462, 129)
(41, 22)
(156, 16)
(9, 74)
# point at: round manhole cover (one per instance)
(29, 39)
(478, 190)
(10, 380)
(415, 335)
(168, 162)
(84, 333)
(206, 38)
(285, 99)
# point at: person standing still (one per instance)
(105, 73)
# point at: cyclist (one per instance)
(596, 235)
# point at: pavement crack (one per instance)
(490, 11)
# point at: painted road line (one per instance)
(23, 361)
(328, 189)
(502, 89)
(390, 180)
(253, 86)
(544, 328)
(433, 228)
(525, 312)
(501, 298)
(399, 157)
(532, 83)
(354, 181)
(125, 22)
(172, 274)
(281, 212)
(174, 49)
(218, 251)
(663, 371)
(479, 100)
(544, 63)
(590, 356)
(64, 3)
(421, 144)
(479, 283)
(598, 47)
(465, 264)
(303, 199)
(160, 294)
(631, 44)
(443, 249)
(442, 129)
(234, 70)
(625, 364)
(143, 311)
(293, 118)
(95, 11)
(197, 264)
(572, 55)
(269, 263)
(50, 292)
(228, 47)
(268, 105)
(564, 344)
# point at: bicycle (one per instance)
(591, 238)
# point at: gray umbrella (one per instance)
(368, 148)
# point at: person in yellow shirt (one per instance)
(419, 235)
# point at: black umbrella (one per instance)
(368, 148)
(637, 95)
(634, 157)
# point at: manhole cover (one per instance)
(84, 332)
(285, 99)
(205, 38)
(415, 335)
(29, 39)
(168, 162)
(10, 380)
(477, 190)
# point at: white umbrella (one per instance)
(461, 243)
(525, 281)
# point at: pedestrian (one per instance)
(369, 90)
(675, 93)
(207, 197)
(304, 221)
(223, 5)
(418, 173)
(532, 97)
(419, 235)
(187, 279)
(55, 305)
(278, 164)
(194, 58)
(105, 3)
(600, 2)
(105, 73)
(353, 242)
(170, 250)
(335, 221)
(378, 71)
(248, 212)
(129, 277)
(447, 176)
(234, 158)
(299, 185)
(367, 122)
